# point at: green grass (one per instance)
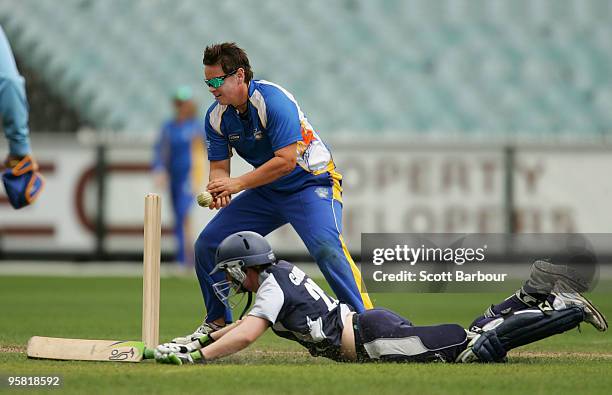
(110, 308)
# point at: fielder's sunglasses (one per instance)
(218, 81)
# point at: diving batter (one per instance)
(296, 308)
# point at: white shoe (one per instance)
(205, 329)
(592, 315)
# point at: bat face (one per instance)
(86, 350)
(118, 355)
(124, 351)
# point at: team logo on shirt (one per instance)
(322, 192)
(233, 138)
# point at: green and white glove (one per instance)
(170, 353)
(177, 354)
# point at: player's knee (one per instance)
(329, 254)
(323, 252)
(206, 242)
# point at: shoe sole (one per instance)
(594, 311)
(576, 283)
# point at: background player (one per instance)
(22, 181)
(294, 179)
(179, 164)
(297, 309)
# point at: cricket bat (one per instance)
(87, 350)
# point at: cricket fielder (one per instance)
(178, 162)
(21, 179)
(296, 308)
(294, 179)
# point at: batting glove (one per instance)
(202, 341)
(171, 353)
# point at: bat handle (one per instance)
(148, 353)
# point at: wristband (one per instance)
(205, 340)
(197, 357)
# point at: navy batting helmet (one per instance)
(235, 253)
(243, 249)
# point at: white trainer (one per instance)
(569, 299)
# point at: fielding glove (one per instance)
(22, 181)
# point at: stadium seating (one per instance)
(411, 66)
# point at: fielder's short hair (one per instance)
(230, 56)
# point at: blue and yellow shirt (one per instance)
(273, 120)
(179, 150)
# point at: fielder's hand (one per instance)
(219, 203)
(222, 187)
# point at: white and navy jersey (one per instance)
(300, 310)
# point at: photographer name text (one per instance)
(425, 276)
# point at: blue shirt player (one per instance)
(294, 179)
(178, 162)
(22, 181)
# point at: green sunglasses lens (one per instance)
(215, 82)
(218, 81)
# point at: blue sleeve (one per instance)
(8, 67)
(217, 145)
(13, 102)
(283, 126)
(159, 150)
